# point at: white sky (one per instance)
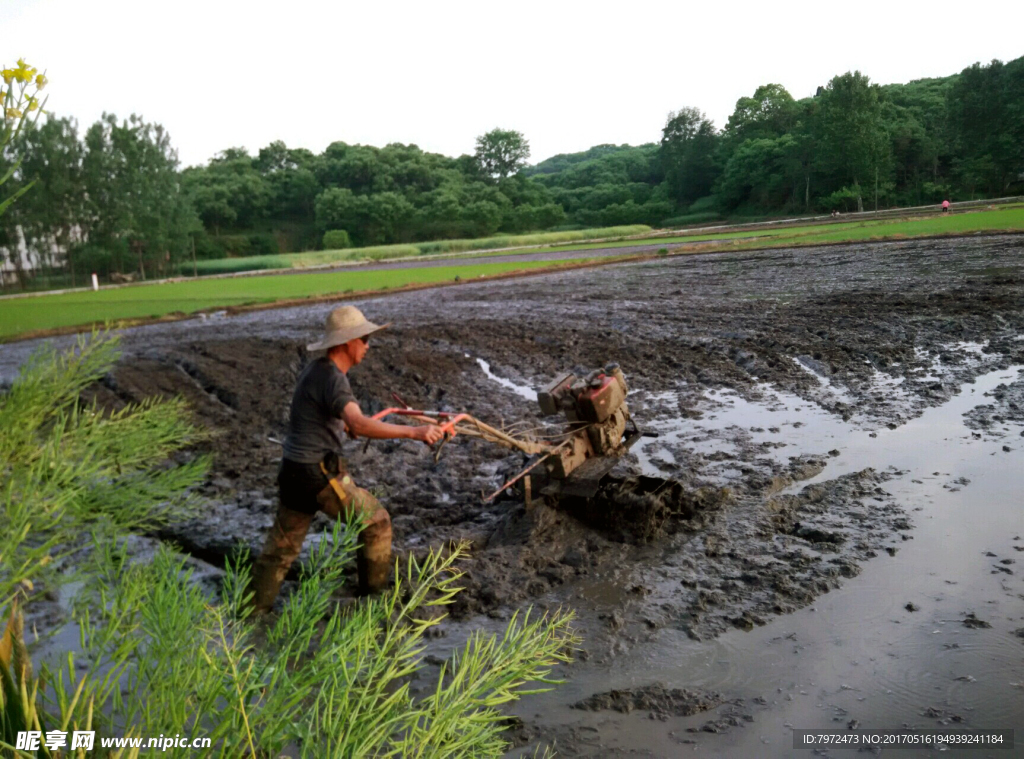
(568, 74)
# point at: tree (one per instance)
(338, 208)
(853, 147)
(370, 219)
(229, 192)
(502, 152)
(439, 214)
(769, 113)
(916, 119)
(137, 209)
(292, 183)
(764, 172)
(688, 145)
(52, 215)
(625, 179)
(986, 111)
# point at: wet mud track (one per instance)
(786, 386)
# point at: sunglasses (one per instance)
(366, 340)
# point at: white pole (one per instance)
(95, 282)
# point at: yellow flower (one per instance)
(24, 72)
(8, 75)
(41, 81)
(14, 113)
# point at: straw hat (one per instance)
(343, 324)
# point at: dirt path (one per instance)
(839, 369)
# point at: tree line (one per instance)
(854, 145)
(114, 198)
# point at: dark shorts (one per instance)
(298, 485)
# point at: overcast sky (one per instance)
(568, 74)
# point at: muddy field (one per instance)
(824, 415)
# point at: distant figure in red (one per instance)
(945, 206)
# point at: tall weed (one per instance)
(163, 654)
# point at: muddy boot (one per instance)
(373, 559)
(282, 547)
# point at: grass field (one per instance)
(1004, 219)
(48, 312)
(1010, 218)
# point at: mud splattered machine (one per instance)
(570, 460)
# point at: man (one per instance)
(314, 478)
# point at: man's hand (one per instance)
(429, 433)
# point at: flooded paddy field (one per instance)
(842, 540)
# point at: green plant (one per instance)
(206, 247)
(69, 468)
(71, 474)
(843, 199)
(690, 219)
(263, 244)
(336, 239)
(161, 654)
(233, 265)
(706, 204)
(235, 245)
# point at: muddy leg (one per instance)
(282, 547)
(373, 559)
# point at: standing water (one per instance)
(930, 636)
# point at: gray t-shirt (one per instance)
(315, 427)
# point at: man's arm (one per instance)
(363, 426)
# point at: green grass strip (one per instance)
(405, 250)
(43, 312)
(1008, 218)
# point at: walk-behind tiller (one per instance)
(572, 461)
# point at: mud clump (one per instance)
(529, 553)
(655, 698)
(974, 623)
(641, 509)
